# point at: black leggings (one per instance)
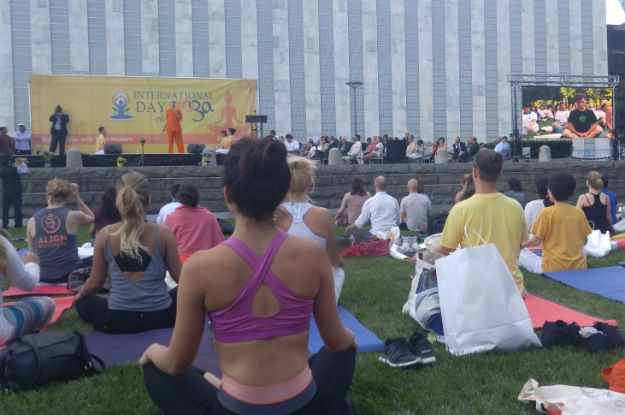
(95, 310)
(190, 392)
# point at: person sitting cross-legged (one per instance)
(27, 315)
(582, 121)
(137, 254)
(561, 228)
(195, 227)
(382, 210)
(264, 289)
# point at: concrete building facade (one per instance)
(435, 68)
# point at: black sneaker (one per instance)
(396, 353)
(421, 347)
(614, 333)
(559, 333)
(608, 338)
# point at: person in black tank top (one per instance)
(595, 204)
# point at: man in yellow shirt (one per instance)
(100, 141)
(495, 217)
(561, 228)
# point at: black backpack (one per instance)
(436, 223)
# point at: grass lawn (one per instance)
(375, 290)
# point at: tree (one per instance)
(567, 92)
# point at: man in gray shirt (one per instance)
(414, 209)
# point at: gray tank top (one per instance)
(148, 293)
(57, 251)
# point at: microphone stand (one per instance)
(141, 160)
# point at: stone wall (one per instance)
(442, 181)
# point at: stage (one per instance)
(110, 160)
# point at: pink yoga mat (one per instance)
(541, 310)
(39, 290)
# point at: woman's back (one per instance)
(296, 264)
(596, 210)
(137, 284)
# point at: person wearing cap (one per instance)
(58, 130)
(22, 139)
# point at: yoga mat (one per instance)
(117, 349)
(541, 310)
(367, 341)
(607, 282)
(39, 290)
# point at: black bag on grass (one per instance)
(436, 223)
(31, 361)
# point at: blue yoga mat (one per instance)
(367, 341)
(118, 349)
(608, 282)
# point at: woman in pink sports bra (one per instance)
(259, 301)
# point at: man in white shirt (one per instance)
(171, 206)
(22, 140)
(562, 118)
(292, 146)
(414, 209)
(354, 155)
(382, 210)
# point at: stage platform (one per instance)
(110, 160)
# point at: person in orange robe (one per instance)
(172, 126)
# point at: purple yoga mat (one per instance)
(117, 349)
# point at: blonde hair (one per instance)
(58, 189)
(302, 179)
(594, 180)
(467, 182)
(132, 201)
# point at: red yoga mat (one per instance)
(39, 290)
(542, 310)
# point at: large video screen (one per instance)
(545, 110)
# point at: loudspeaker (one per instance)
(195, 148)
(112, 148)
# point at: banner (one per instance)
(133, 108)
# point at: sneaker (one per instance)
(396, 353)
(421, 347)
(614, 333)
(559, 333)
(607, 338)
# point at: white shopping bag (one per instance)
(481, 306)
(339, 278)
(572, 400)
(598, 244)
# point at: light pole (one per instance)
(353, 85)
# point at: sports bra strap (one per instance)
(258, 264)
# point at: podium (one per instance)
(254, 120)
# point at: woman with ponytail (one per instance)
(259, 288)
(137, 254)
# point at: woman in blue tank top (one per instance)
(260, 289)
